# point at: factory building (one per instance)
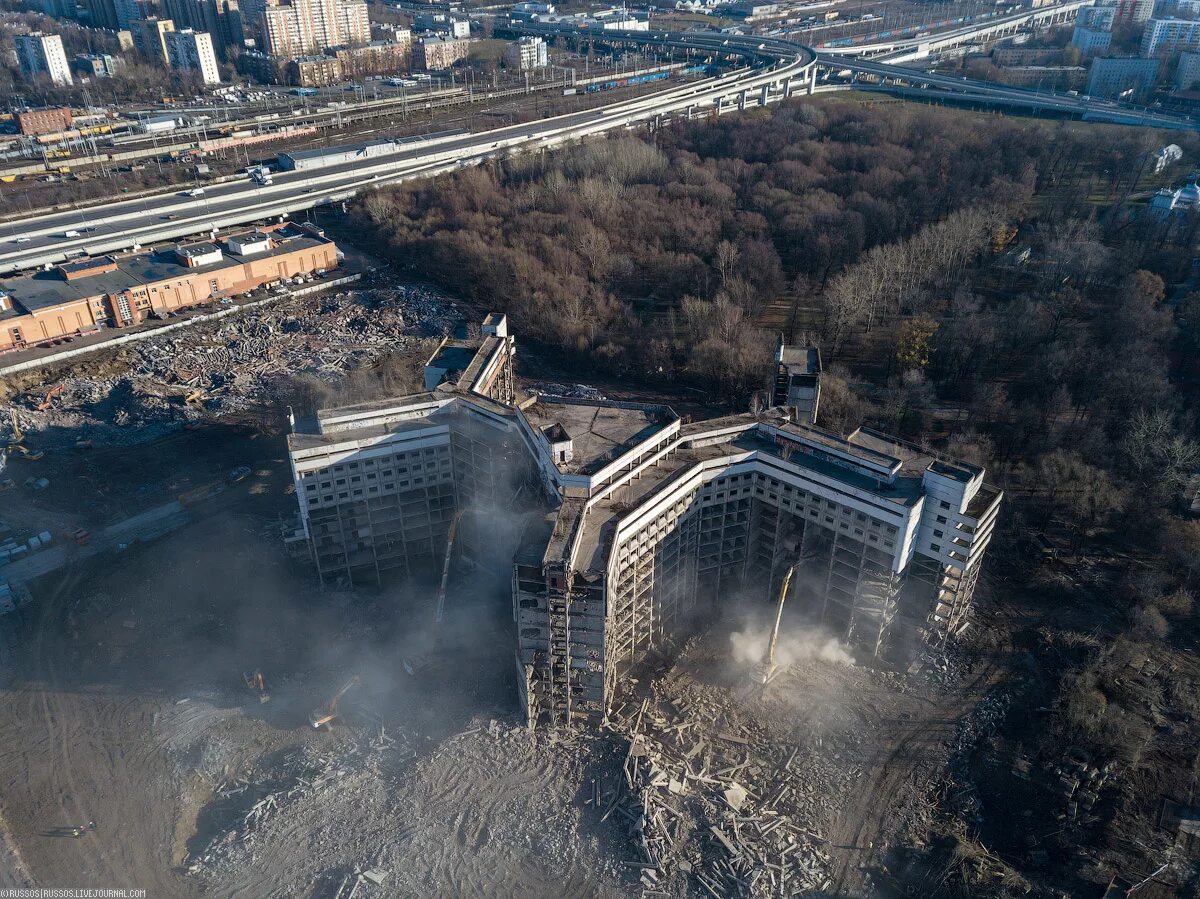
(84, 295)
(638, 523)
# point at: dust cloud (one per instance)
(750, 647)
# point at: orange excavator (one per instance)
(323, 716)
(50, 395)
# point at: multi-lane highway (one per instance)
(771, 69)
(767, 76)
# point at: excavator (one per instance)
(17, 443)
(765, 672)
(50, 395)
(414, 664)
(255, 682)
(323, 716)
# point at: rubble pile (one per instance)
(717, 800)
(243, 361)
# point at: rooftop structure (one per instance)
(113, 291)
(637, 522)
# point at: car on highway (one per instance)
(196, 192)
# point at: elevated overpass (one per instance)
(769, 69)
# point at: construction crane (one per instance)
(323, 716)
(765, 672)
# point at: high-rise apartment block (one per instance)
(309, 26)
(42, 55)
(192, 51)
(630, 524)
(1170, 35)
(150, 38)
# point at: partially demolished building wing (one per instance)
(650, 521)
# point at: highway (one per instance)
(772, 70)
(123, 225)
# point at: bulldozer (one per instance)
(323, 716)
(256, 682)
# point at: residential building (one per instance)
(526, 53)
(193, 51)
(1025, 56)
(1124, 77)
(102, 14)
(1100, 18)
(97, 65)
(313, 70)
(1170, 35)
(1187, 75)
(83, 296)
(129, 11)
(1090, 41)
(44, 121)
(432, 54)
(377, 57)
(630, 524)
(221, 19)
(303, 27)
(1046, 77)
(42, 55)
(1129, 12)
(150, 37)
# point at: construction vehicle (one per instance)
(765, 672)
(17, 443)
(81, 536)
(323, 716)
(195, 398)
(254, 681)
(50, 395)
(415, 664)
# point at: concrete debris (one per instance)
(232, 366)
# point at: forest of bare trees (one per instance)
(992, 287)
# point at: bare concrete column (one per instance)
(787, 87)
(811, 81)
(741, 101)
(764, 95)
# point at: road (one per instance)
(122, 225)
(773, 69)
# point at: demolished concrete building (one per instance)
(649, 521)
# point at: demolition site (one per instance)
(449, 626)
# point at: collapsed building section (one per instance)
(649, 522)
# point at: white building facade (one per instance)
(192, 51)
(43, 54)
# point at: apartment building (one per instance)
(377, 57)
(637, 523)
(86, 295)
(1130, 77)
(303, 27)
(1169, 35)
(97, 65)
(150, 38)
(220, 19)
(1187, 75)
(433, 54)
(526, 53)
(1090, 41)
(193, 51)
(40, 55)
(313, 71)
(1129, 12)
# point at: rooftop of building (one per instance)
(804, 360)
(599, 431)
(43, 289)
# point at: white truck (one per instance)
(259, 174)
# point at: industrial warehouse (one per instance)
(641, 523)
(88, 294)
